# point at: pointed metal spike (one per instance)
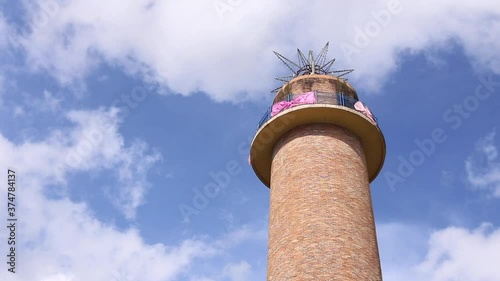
(328, 65)
(286, 61)
(285, 79)
(302, 58)
(283, 61)
(277, 89)
(321, 58)
(345, 73)
(342, 70)
(342, 75)
(312, 62)
(309, 64)
(287, 76)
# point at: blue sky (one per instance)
(116, 115)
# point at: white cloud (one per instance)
(483, 166)
(2, 81)
(462, 254)
(59, 277)
(62, 240)
(4, 27)
(93, 144)
(46, 103)
(50, 102)
(454, 253)
(190, 46)
(238, 271)
(447, 178)
(97, 145)
(60, 237)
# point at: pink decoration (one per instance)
(306, 98)
(359, 106)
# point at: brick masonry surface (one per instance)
(322, 83)
(321, 219)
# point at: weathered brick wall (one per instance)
(321, 218)
(322, 83)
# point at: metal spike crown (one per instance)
(309, 65)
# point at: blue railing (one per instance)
(266, 117)
(321, 98)
(346, 101)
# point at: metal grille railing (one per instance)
(266, 117)
(321, 98)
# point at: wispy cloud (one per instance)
(238, 271)
(93, 143)
(46, 103)
(412, 252)
(483, 166)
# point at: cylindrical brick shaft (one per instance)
(321, 218)
(318, 160)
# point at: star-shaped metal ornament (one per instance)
(309, 65)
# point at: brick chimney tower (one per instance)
(317, 149)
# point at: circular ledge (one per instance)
(268, 134)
